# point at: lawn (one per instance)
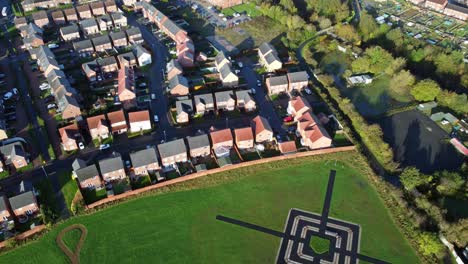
(178, 224)
(69, 187)
(249, 8)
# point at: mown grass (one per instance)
(69, 187)
(177, 224)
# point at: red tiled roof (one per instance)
(440, 2)
(260, 124)
(139, 116)
(68, 131)
(221, 136)
(116, 117)
(287, 147)
(95, 121)
(243, 134)
(125, 80)
(299, 103)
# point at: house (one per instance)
(129, 3)
(287, 147)
(97, 126)
(20, 22)
(70, 32)
(225, 101)
(297, 106)
(105, 22)
(173, 68)
(119, 39)
(31, 5)
(84, 11)
(221, 139)
(58, 17)
(5, 215)
(185, 53)
(117, 121)
(70, 135)
(139, 121)
(110, 6)
(84, 47)
(30, 29)
(456, 11)
(244, 138)
(88, 177)
(313, 134)
(126, 87)
(14, 154)
(71, 15)
(108, 64)
(268, 57)
(178, 85)
(417, 2)
(359, 79)
(221, 60)
(436, 5)
(112, 169)
(24, 204)
(174, 31)
(225, 3)
(245, 101)
(98, 8)
(89, 26)
(127, 59)
(277, 84)
(134, 35)
(102, 43)
(184, 110)
(144, 162)
(172, 152)
(199, 146)
(227, 76)
(143, 56)
(298, 80)
(32, 36)
(119, 20)
(262, 129)
(67, 105)
(46, 60)
(40, 18)
(90, 69)
(204, 103)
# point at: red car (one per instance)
(287, 119)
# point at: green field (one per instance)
(177, 224)
(249, 8)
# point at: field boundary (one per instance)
(24, 235)
(217, 170)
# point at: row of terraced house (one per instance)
(443, 6)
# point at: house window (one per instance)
(5, 218)
(29, 212)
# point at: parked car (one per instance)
(127, 164)
(240, 64)
(308, 91)
(49, 99)
(7, 96)
(81, 145)
(15, 91)
(153, 96)
(44, 86)
(104, 146)
(253, 91)
(51, 106)
(287, 119)
(156, 118)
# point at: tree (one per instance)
(449, 63)
(425, 90)
(289, 5)
(375, 60)
(396, 37)
(348, 33)
(450, 183)
(402, 82)
(367, 26)
(429, 244)
(457, 102)
(324, 22)
(412, 178)
(395, 65)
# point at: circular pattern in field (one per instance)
(75, 255)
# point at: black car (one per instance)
(49, 99)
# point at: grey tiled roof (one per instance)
(225, 71)
(73, 28)
(3, 205)
(176, 80)
(133, 31)
(171, 148)
(83, 44)
(90, 22)
(171, 26)
(278, 80)
(458, 8)
(101, 40)
(224, 96)
(144, 157)
(271, 57)
(78, 164)
(110, 165)
(22, 200)
(298, 77)
(198, 141)
(173, 64)
(12, 150)
(266, 48)
(184, 106)
(244, 96)
(204, 99)
(117, 35)
(86, 172)
(106, 61)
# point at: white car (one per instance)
(44, 86)
(142, 85)
(127, 164)
(7, 96)
(51, 106)
(259, 84)
(253, 91)
(240, 64)
(81, 145)
(308, 91)
(156, 118)
(153, 96)
(104, 146)
(15, 91)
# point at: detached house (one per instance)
(134, 35)
(67, 105)
(287, 147)
(89, 26)
(269, 57)
(112, 169)
(59, 17)
(277, 85)
(97, 8)
(244, 138)
(71, 15)
(144, 162)
(221, 60)
(127, 59)
(102, 43)
(245, 101)
(178, 85)
(184, 110)
(117, 121)
(119, 20)
(298, 80)
(172, 152)
(262, 130)
(119, 39)
(199, 146)
(97, 126)
(88, 177)
(221, 139)
(69, 33)
(204, 103)
(139, 121)
(225, 101)
(227, 76)
(298, 106)
(143, 56)
(24, 204)
(14, 154)
(313, 134)
(84, 11)
(40, 18)
(173, 68)
(110, 6)
(126, 87)
(70, 135)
